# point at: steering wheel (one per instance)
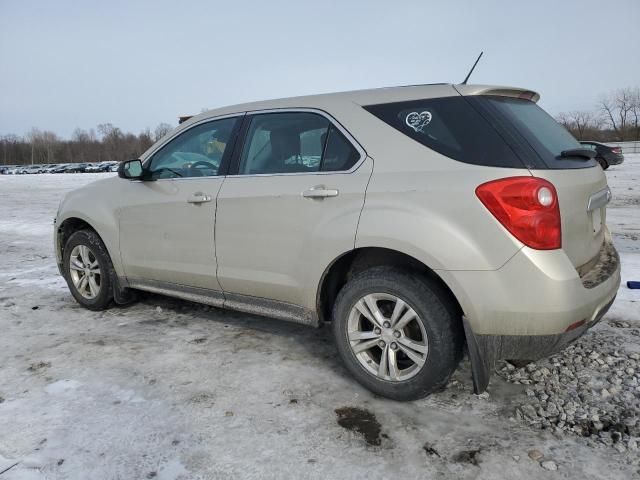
(202, 163)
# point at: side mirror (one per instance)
(131, 170)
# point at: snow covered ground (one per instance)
(170, 390)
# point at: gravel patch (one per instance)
(591, 389)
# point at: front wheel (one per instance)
(398, 333)
(88, 270)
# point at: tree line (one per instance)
(110, 143)
(614, 118)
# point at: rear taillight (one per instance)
(616, 150)
(527, 207)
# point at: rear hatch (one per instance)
(552, 153)
(504, 127)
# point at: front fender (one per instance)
(96, 205)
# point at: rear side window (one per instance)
(339, 154)
(284, 143)
(450, 126)
(295, 142)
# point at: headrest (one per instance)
(285, 143)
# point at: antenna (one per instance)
(472, 68)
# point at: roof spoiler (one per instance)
(498, 91)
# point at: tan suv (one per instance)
(417, 220)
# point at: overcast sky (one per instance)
(67, 64)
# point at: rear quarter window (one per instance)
(450, 126)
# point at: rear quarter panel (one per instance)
(422, 203)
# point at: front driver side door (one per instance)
(167, 221)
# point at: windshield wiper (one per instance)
(586, 153)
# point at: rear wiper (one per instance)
(578, 152)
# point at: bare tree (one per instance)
(616, 108)
(34, 136)
(580, 123)
(565, 120)
(49, 140)
(161, 130)
(584, 122)
(635, 112)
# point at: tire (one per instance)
(603, 163)
(436, 311)
(85, 247)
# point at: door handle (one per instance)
(319, 191)
(199, 197)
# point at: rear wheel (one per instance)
(398, 333)
(88, 270)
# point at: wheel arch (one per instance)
(73, 223)
(344, 267)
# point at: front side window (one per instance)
(198, 152)
(294, 142)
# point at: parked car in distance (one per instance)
(414, 219)
(31, 169)
(100, 167)
(45, 168)
(76, 168)
(60, 168)
(605, 154)
(50, 168)
(7, 169)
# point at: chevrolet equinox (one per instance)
(417, 220)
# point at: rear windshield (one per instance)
(531, 131)
(485, 130)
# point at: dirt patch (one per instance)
(430, 450)
(203, 398)
(35, 367)
(467, 456)
(360, 421)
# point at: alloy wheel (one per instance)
(85, 271)
(387, 337)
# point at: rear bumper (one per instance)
(485, 350)
(533, 306)
(615, 159)
(536, 292)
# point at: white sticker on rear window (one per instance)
(418, 121)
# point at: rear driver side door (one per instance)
(289, 206)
